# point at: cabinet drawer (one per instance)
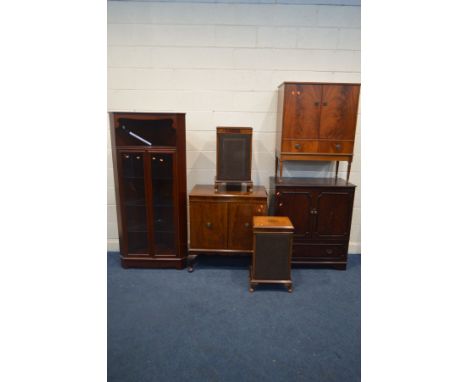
(336, 147)
(299, 146)
(318, 250)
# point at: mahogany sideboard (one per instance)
(320, 210)
(221, 222)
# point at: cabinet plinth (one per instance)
(320, 210)
(148, 151)
(221, 222)
(316, 121)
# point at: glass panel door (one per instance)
(162, 180)
(134, 202)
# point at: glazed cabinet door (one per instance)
(297, 206)
(208, 225)
(240, 224)
(301, 117)
(163, 202)
(133, 201)
(339, 110)
(332, 217)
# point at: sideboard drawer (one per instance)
(299, 146)
(323, 251)
(336, 147)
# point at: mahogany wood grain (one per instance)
(335, 147)
(301, 117)
(208, 225)
(339, 111)
(315, 120)
(240, 225)
(230, 215)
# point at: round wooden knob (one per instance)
(338, 146)
(247, 225)
(209, 225)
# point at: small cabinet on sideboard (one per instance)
(320, 210)
(316, 121)
(148, 152)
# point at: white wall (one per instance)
(221, 64)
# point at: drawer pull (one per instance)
(317, 103)
(247, 225)
(338, 147)
(313, 211)
(281, 204)
(329, 251)
(297, 146)
(209, 225)
(278, 193)
(325, 104)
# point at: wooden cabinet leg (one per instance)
(191, 259)
(281, 168)
(336, 169)
(349, 170)
(290, 288)
(276, 166)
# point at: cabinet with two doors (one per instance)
(320, 210)
(221, 222)
(316, 121)
(150, 182)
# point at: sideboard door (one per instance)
(332, 219)
(297, 205)
(208, 225)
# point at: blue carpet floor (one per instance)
(170, 325)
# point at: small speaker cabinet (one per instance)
(234, 158)
(272, 249)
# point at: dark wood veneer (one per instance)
(316, 121)
(321, 211)
(150, 185)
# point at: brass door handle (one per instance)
(297, 146)
(313, 211)
(209, 225)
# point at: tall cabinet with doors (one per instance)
(148, 152)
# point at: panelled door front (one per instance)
(297, 205)
(338, 116)
(208, 225)
(333, 212)
(301, 111)
(240, 224)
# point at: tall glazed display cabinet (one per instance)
(148, 152)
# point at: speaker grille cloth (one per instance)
(271, 256)
(234, 157)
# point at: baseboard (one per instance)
(354, 247)
(113, 245)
